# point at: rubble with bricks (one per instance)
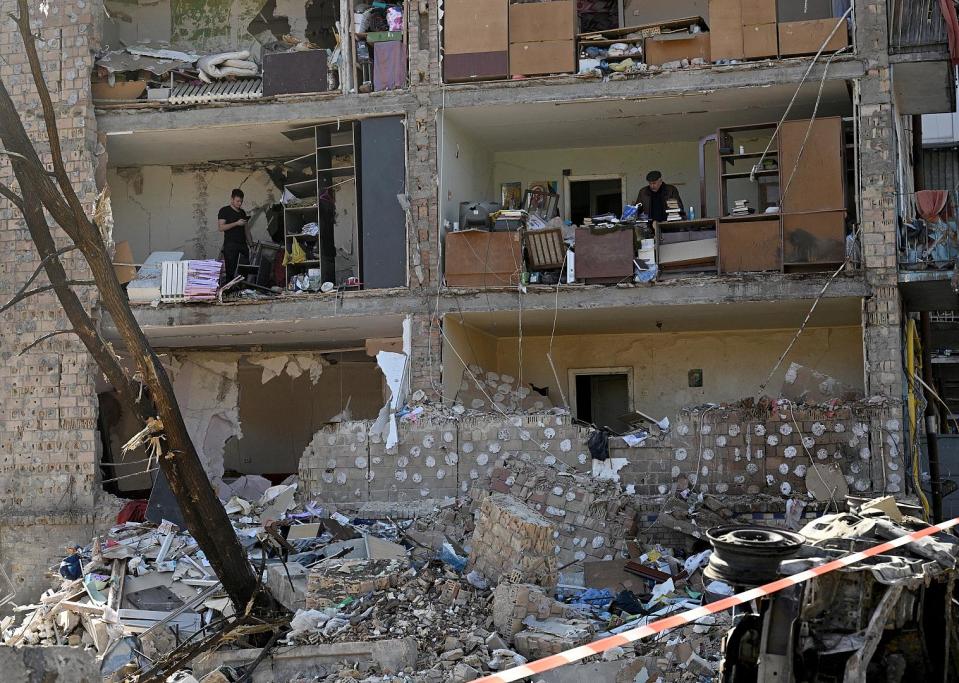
(479, 542)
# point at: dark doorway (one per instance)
(603, 399)
(594, 197)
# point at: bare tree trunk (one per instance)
(205, 517)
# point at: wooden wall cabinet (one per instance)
(804, 174)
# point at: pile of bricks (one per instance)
(510, 539)
(333, 581)
(513, 602)
(593, 518)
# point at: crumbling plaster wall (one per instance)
(464, 345)
(195, 25)
(255, 412)
(174, 208)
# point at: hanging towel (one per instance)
(948, 9)
(932, 204)
(389, 65)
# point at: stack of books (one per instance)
(673, 212)
(741, 208)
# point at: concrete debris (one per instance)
(428, 593)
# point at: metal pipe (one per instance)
(932, 418)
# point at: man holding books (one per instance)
(658, 197)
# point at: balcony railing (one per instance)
(928, 230)
(916, 26)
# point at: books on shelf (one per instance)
(741, 208)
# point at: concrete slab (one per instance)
(60, 664)
(287, 663)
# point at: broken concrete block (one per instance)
(512, 539)
(512, 603)
(295, 663)
(278, 581)
(332, 581)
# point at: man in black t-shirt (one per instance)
(232, 222)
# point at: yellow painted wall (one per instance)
(472, 345)
(733, 363)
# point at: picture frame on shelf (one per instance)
(511, 195)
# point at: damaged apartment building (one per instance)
(449, 279)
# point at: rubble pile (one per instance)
(458, 589)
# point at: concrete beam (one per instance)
(276, 111)
(664, 83)
(291, 111)
(332, 321)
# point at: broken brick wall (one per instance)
(723, 451)
(49, 443)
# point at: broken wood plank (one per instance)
(81, 608)
(857, 664)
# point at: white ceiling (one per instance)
(766, 315)
(202, 145)
(640, 121)
(319, 334)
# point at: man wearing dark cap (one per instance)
(654, 196)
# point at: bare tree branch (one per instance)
(44, 261)
(23, 294)
(49, 113)
(14, 198)
(38, 340)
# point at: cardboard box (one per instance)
(471, 26)
(542, 58)
(123, 90)
(761, 40)
(661, 49)
(757, 12)
(725, 29)
(475, 66)
(534, 22)
(805, 37)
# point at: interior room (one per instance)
(657, 360)
(307, 206)
(248, 413)
(729, 189)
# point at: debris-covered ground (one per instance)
(469, 588)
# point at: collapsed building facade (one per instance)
(437, 366)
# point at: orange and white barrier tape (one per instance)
(667, 623)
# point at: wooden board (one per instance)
(604, 257)
(476, 258)
(819, 181)
(287, 73)
(814, 238)
(749, 246)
